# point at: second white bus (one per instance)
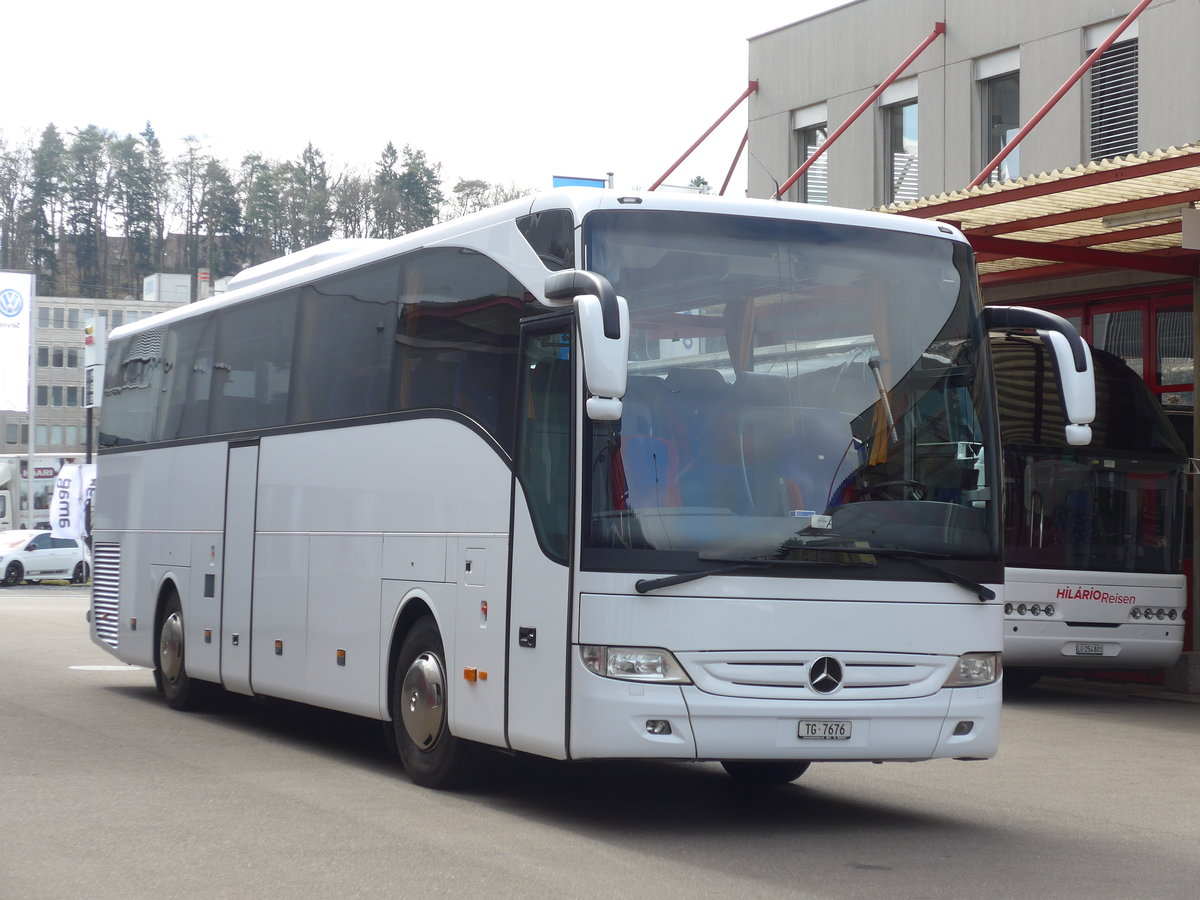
(1093, 535)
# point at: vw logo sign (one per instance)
(11, 303)
(825, 675)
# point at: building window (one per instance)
(73, 396)
(40, 432)
(12, 434)
(1120, 333)
(73, 318)
(43, 357)
(56, 357)
(58, 317)
(1174, 356)
(814, 185)
(56, 436)
(43, 395)
(72, 435)
(1113, 101)
(56, 395)
(114, 318)
(901, 152)
(72, 358)
(1001, 104)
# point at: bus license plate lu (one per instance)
(824, 730)
(1089, 649)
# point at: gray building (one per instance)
(957, 104)
(59, 417)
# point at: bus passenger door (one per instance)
(539, 591)
(241, 503)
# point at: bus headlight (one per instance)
(634, 664)
(974, 670)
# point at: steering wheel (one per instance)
(915, 489)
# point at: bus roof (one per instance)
(335, 256)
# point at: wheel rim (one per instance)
(423, 701)
(170, 647)
(13, 573)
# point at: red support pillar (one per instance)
(733, 165)
(750, 89)
(939, 29)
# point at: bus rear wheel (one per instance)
(764, 771)
(432, 756)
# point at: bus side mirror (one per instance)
(604, 336)
(1072, 363)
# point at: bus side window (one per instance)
(344, 338)
(459, 322)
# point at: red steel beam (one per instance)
(1008, 247)
(750, 89)
(1058, 95)
(939, 29)
(1123, 234)
(1088, 212)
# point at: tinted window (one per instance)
(344, 341)
(133, 380)
(189, 357)
(456, 339)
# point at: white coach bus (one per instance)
(588, 475)
(1093, 535)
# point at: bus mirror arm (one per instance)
(603, 336)
(1072, 363)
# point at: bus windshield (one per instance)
(1117, 505)
(792, 385)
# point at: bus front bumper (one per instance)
(622, 720)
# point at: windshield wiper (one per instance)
(644, 585)
(920, 557)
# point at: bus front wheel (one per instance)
(764, 771)
(170, 676)
(432, 756)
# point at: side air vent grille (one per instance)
(106, 591)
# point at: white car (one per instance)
(37, 555)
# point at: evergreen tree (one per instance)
(263, 235)
(42, 213)
(385, 197)
(88, 194)
(420, 191)
(220, 220)
(135, 204)
(158, 178)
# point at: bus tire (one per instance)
(768, 771)
(13, 574)
(180, 690)
(432, 756)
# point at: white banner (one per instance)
(16, 335)
(71, 506)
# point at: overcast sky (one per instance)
(512, 93)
